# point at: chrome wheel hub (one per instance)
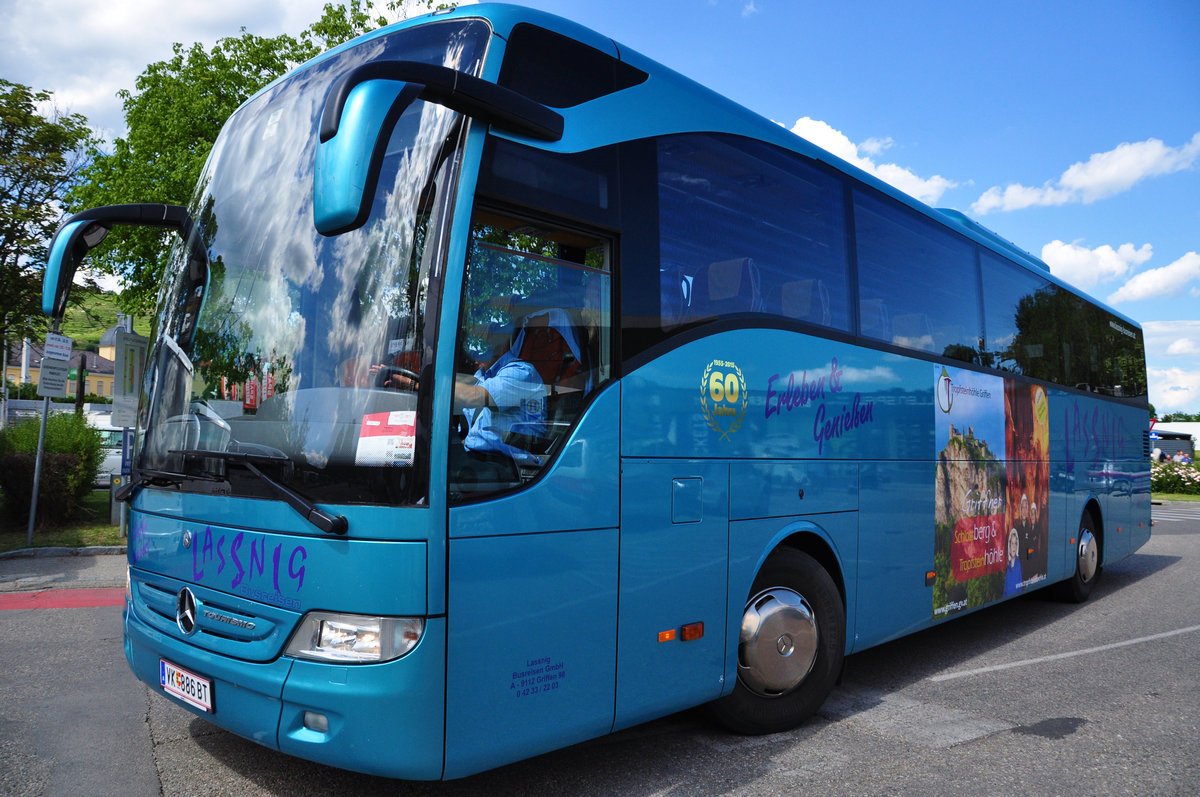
(778, 643)
(1089, 556)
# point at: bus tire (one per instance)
(1078, 587)
(792, 643)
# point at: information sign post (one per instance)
(128, 367)
(52, 383)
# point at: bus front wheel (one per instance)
(790, 652)
(1078, 587)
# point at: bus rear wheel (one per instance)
(792, 643)
(1078, 587)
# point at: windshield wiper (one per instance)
(330, 524)
(158, 478)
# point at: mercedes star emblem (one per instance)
(185, 611)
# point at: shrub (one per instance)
(1175, 477)
(69, 464)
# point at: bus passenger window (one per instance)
(533, 344)
(743, 228)
(928, 274)
(803, 300)
(913, 331)
(873, 319)
(729, 286)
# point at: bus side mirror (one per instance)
(71, 243)
(361, 110)
(350, 151)
(84, 231)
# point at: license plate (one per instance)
(186, 686)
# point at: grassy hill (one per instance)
(85, 326)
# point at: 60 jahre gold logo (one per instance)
(723, 397)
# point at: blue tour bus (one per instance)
(508, 389)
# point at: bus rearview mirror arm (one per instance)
(362, 108)
(84, 231)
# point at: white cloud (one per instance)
(1183, 347)
(1104, 174)
(1162, 336)
(749, 8)
(874, 146)
(928, 190)
(85, 52)
(108, 282)
(1173, 365)
(1015, 197)
(869, 376)
(1085, 268)
(1159, 281)
(1174, 389)
(1109, 173)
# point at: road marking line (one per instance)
(1070, 654)
(64, 598)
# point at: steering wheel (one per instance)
(387, 372)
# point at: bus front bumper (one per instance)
(380, 719)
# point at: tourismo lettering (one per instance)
(285, 562)
(803, 393)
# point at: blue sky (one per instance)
(1071, 128)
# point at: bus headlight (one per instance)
(354, 638)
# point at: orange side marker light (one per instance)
(691, 632)
(666, 636)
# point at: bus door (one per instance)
(533, 486)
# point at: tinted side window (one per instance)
(533, 345)
(580, 185)
(561, 72)
(1012, 342)
(1123, 358)
(918, 283)
(746, 228)
(1038, 329)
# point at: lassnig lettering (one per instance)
(538, 676)
(1096, 434)
(218, 559)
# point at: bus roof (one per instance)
(670, 102)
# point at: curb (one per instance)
(41, 553)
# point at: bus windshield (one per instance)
(302, 354)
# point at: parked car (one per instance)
(111, 464)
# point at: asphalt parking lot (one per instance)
(1031, 696)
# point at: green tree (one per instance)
(173, 115)
(40, 157)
